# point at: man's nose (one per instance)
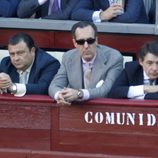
(86, 44)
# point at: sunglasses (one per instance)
(82, 41)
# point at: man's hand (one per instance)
(5, 81)
(67, 95)
(70, 94)
(150, 89)
(111, 12)
(61, 100)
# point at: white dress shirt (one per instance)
(21, 88)
(137, 92)
(96, 14)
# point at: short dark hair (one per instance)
(18, 37)
(149, 47)
(83, 24)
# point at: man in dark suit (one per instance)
(129, 11)
(28, 70)
(88, 71)
(8, 8)
(42, 9)
(139, 80)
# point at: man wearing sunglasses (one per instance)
(105, 64)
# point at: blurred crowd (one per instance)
(124, 11)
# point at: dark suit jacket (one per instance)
(28, 7)
(134, 11)
(8, 8)
(152, 12)
(42, 72)
(132, 75)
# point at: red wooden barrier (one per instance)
(25, 122)
(121, 128)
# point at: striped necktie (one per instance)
(23, 77)
(87, 75)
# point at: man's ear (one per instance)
(74, 42)
(33, 49)
(140, 61)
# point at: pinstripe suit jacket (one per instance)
(8, 8)
(107, 66)
(134, 11)
(27, 8)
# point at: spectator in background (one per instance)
(28, 70)
(48, 9)
(88, 71)
(128, 11)
(152, 12)
(139, 79)
(8, 8)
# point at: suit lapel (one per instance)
(76, 76)
(98, 69)
(15, 76)
(63, 4)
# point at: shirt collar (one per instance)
(90, 62)
(146, 77)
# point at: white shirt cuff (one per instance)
(21, 90)
(56, 95)
(136, 92)
(96, 16)
(41, 2)
(86, 94)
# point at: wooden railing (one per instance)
(55, 34)
(102, 126)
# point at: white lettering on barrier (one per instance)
(112, 118)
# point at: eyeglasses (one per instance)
(82, 41)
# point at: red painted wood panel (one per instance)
(12, 153)
(20, 153)
(130, 43)
(24, 124)
(100, 127)
(43, 39)
(137, 138)
(127, 43)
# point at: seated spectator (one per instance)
(130, 11)
(28, 70)
(139, 79)
(88, 71)
(152, 12)
(8, 8)
(48, 9)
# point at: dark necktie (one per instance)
(151, 82)
(55, 6)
